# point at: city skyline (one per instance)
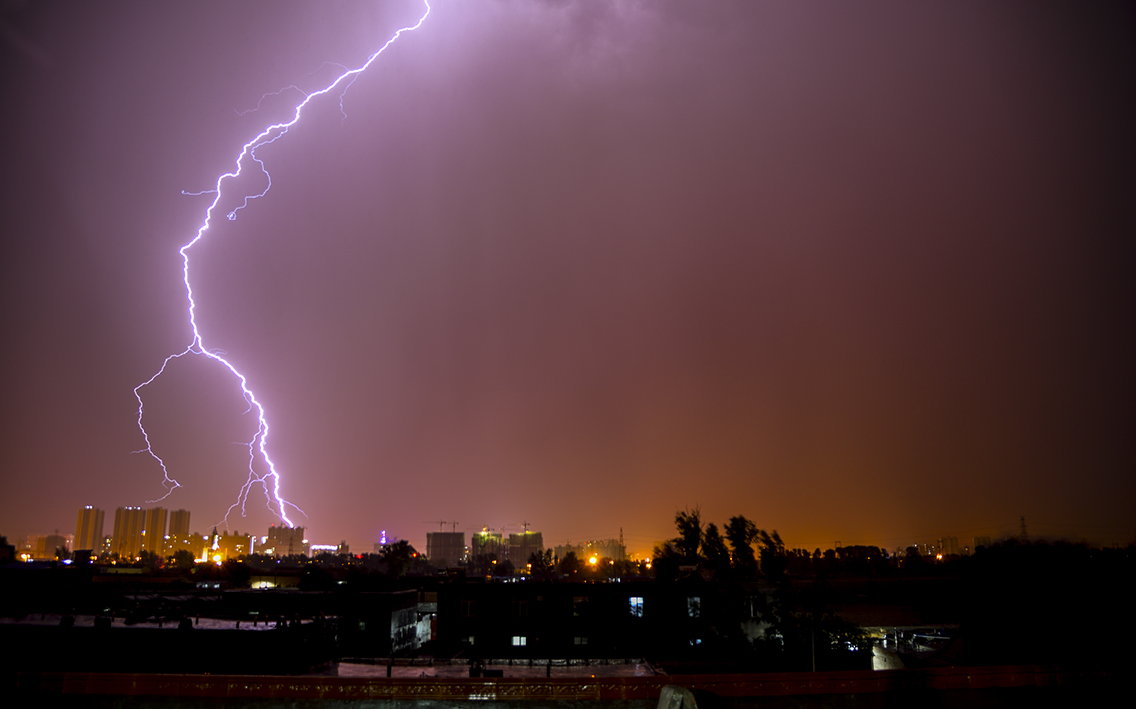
(485, 540)
(857, 273)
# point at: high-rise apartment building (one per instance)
(524, 545)
(89, 529)
(154, 530)
(487, 543)
(127, 538)
(285, 541)
(179, 523)
(949, 546)
(445, 549)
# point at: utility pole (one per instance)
(1024, 535)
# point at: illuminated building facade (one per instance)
(285, 541)
(179, 523)
(154, 530)
(89, 529)
(524, 545)
(42, 546)
(126, 540)
(486, 543)
(445, 549)
(231, 546)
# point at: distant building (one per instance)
(486, 543)
(195, 544)
(228, 545)
(126, 540)
(89, 529)
(601, 549)
(607, 549)
(949, 546)
(982, 542)
(524, 545)
(154, 530)
(43, 546)
(285, 541)
(179, 523)
(445, 549)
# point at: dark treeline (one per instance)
(1010, 603)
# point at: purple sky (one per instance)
(858, 271)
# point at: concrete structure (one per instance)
(949, 546)
(285, 541)
(154, 530)
(445, 549)
(89, 529)
(487, 543)
(524, 545)
(126, 540)
(179, 523)
(229, 545)
(43, 546)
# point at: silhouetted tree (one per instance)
(183, 559)
(504, 568)
(741, 533)
(398, 557)
(569, 565)
(151, 560)
(913, 560)
(665, 561)
(540, 564)
(717, 558)
(689, 541)
(481, 565)
(774, 560)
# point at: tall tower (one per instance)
(179, 523)
(154, 530)
(128, 525)
(89, 529)
(445, 549)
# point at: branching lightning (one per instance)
(268, 477)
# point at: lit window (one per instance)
(694, 606)
(519, 640)
(637, 606)
(579, 641)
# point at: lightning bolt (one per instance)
(269, 479)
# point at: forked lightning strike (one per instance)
(258, 445)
